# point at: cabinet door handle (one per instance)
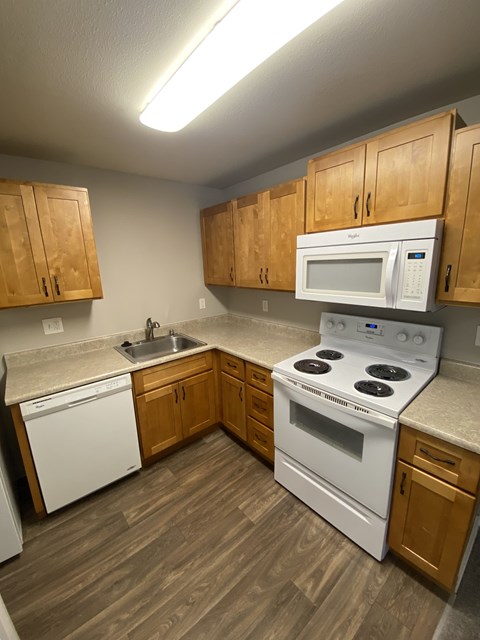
(447, 277)
(402, 483)
(430, 455)
(260, 275)
(57, 287)
(355, 212)
(45, 290)
(367, 202)
(176, 396)
(231, 274)
(240, 394)
(183, 392)
(266, 275)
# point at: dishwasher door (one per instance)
(82, 439)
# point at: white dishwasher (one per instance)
(82, 439)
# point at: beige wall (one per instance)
(460, 323)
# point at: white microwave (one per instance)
(392, 266)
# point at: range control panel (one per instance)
(400, 336)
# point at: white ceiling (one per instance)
(75, 74)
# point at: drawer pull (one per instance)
(259, 407)
(402, 483)
(430, 455)
(259, 438)
(231, 365)
(258, 378)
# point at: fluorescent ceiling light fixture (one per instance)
(246, 36)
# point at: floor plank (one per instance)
(205, 544)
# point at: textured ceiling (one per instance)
(75, 74)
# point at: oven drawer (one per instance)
(232, 365)
(259, 377)
(260, 406)
(441, 459)
(260, 438)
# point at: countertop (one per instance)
(449, 407)
(38, 372)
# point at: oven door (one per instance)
(363, 274)
(350, 446)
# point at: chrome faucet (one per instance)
(149, 327)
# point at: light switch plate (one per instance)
(201, 303)
(52, 325)
(265, 305)
(477, 337)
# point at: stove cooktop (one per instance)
(383, 370)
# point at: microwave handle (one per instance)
(389, 275)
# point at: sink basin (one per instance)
(158, 347)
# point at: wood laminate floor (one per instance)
(206, 545)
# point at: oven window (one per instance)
(348, 275)
(329, 431)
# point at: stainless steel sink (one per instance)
(158, 347)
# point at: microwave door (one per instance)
(361, 274)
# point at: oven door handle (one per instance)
(389, 276)
(371, 416)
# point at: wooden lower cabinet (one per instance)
(233, 405)
(431, 519)
(170, 413)
(260, 438)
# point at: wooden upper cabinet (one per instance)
(217, 244)
(47, 248)
(285, 221)
(24, 275)
(250, 232)
(335, 190)
(397, 176)
(406, 171)
(67, 231)
(459, 274)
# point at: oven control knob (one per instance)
(330, 324)
(402, 336)
(418, 339)
(340, 326)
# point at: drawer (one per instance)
(260, 406)
(154, 377)
(232, 365)
(260, 438)
(441, 459)
(259, 377)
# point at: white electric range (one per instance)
(336, 418)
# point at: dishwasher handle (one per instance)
(75, 403)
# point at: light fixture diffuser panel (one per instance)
(248, 34)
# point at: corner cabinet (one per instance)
(434, 497)
(397, 176)
(173, 402)
(217, 244)
(47, 247)
(266, 226)
(459, 273)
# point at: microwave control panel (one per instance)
(414, 275)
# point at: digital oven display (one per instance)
(419, 255)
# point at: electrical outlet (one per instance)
(52, 325)
(265, 305)
(477, 337)
(201, 303)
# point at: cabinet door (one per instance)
(24, 277)
(217, 244)
(197, 402)
(67, 231)
(459, 274)
(250, 240)
(406, 172)
(159, 419)
(233, 405)
(285, 221)
(429, 523)
(335, 190)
